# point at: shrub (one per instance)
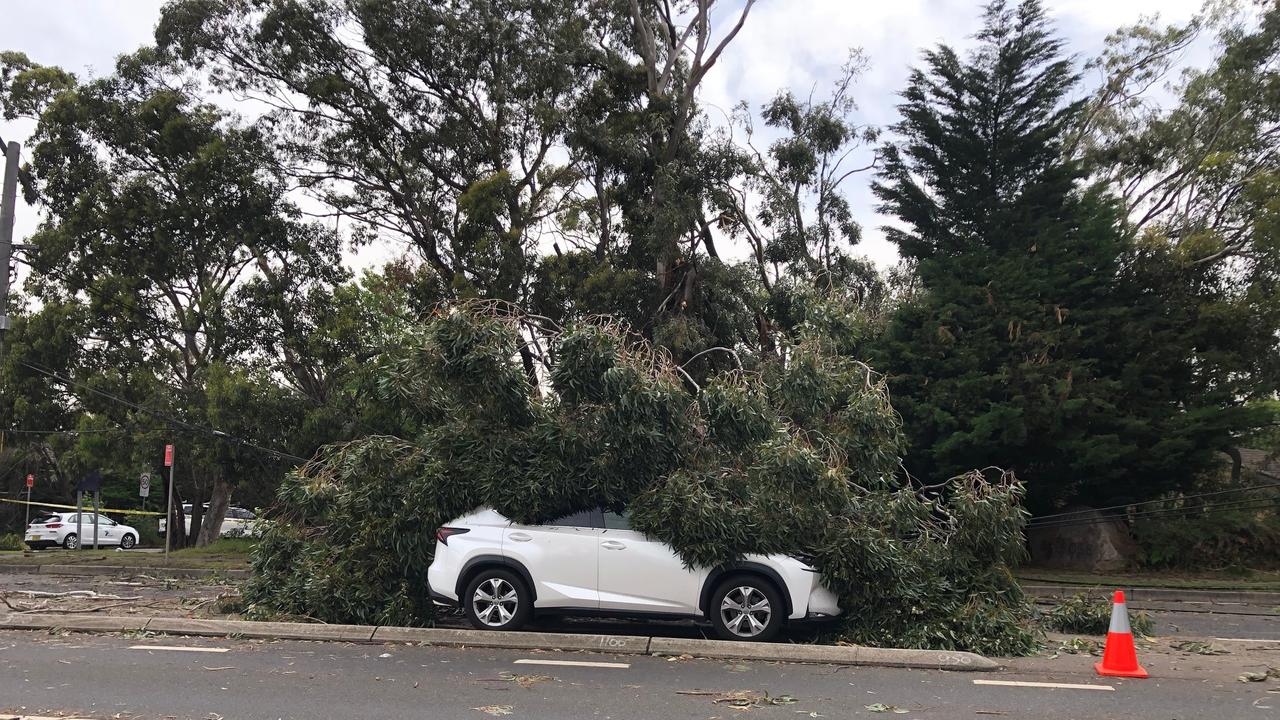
(1209, 537)
(11, 541)
(799, 458)
(148, 532)
(1091, 615)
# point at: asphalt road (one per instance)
(132, 677)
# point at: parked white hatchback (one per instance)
(593, 563)
(53, 529)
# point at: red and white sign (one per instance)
(31, 480)
(168, 456)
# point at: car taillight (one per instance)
(53, 526)
(444, 533)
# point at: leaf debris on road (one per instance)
(495, 709)
(1199, 648)
(1270, 672)
(741, 699)
(881, 707)
(1079, 646)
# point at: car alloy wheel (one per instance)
(745, 611)
(71, 542)
(127, 542)
(495, 601)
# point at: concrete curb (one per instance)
(1138, 594)
(444, 637)
(615, 644)
(826, 654)
(122, 570)
(265, 630)
(85, 624)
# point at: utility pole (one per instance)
(8, 199)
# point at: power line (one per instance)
(163, 416)
(1037, 520)
(1239, 505)
(67, 432)
(1235, 504)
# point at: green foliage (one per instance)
(11, 541)
(1101, 370)
(796, 459)
(148, 531)
(26, 87)
(1209, 538)
(1091, 615)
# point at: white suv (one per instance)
(592, 562)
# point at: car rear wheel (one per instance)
(746, 607)
(127, 542)
(71, 542)
(497, 599)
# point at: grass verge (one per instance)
(1256, 580)
(222, 554)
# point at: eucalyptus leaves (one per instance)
(798, 456)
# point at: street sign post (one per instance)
(31, 481)
(169, 524)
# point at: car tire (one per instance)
(514, 603)
(71, 542)
(746, 608)
(127, 542)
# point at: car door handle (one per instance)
(520, 537)
(612, 545)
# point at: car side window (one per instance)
(616, 521)
(584, 519)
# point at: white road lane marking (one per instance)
(1261, 640)
(1064, 686)
(574, 663)
(179, 648)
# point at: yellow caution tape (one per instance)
(84, 509)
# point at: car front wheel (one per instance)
(746, 607)
(497, 600)
(127, 542)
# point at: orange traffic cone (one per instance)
(1120, 658)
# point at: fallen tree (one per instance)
(797, 455)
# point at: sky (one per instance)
(795, 44)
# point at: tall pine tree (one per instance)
(1023, 350)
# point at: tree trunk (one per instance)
(193, 529)
(175, 535)
(219, 501)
